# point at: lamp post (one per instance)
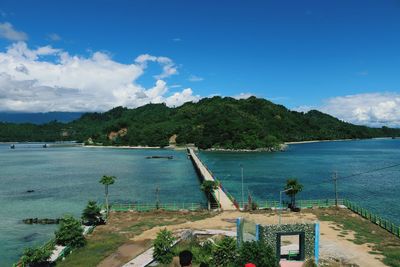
(280, 202)
(241, 167)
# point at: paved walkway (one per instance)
(221, 197)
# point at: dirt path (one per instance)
(333, 245)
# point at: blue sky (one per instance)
(303, 54)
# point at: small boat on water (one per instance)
(159, 157)
(12, 146)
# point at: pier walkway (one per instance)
(220, 196)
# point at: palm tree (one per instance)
(106, 181)
(293, 187)
(208, 187)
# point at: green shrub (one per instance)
(224, 252)
(91, 214)
(201, 251)
(162, 247)
(36, 257)
(256, 252)
(70, 233)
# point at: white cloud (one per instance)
(303, 108)
(179, 98)
(8, 32)
(177, 39)
(50, 79)
(194, 78)
(243, 95)
(168, 66)
(374, 109)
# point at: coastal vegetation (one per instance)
(107, 181)
(293, 187)
(120, 228)
(37, 256)
(91, 215)
(70, 233)
(162, 247)
(211, 123)
(208, 187)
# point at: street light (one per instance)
(280, 202)
(241, 167)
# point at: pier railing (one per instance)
(304, 204)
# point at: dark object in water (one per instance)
(45, 146)
(30, 237)
(40, 221)
(12, 146)
(30, 191)
(159, 157)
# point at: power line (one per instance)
(357, 174)
(366, 172)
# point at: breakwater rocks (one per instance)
(281, 147)
(41, 221)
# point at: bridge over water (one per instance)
(220, 195)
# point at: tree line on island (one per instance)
(210, 123)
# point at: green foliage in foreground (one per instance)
(212, 122)
(201, 251)
(258, 253)
(70, 233)
(224, 252)
(163, 247)
(37, 257)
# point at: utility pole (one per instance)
(157, 197)
(241, 167)
(335, 185)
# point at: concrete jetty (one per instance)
(220, 196)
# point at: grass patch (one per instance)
(94, 252)
(382, 241)
(121, 226)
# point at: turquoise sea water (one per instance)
(65, 178)
(313, 164)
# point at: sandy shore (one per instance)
(318, 141)
(124, 147)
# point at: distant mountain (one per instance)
(39, 118)
(211, 123)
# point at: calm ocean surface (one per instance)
(65, 178)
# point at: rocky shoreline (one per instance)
(282, 147)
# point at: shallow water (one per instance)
(64, 179)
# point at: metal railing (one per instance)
(161, 206)
(304, 204)
(382, 222)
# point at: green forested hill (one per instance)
(212, 122)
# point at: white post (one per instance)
(241, 166)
